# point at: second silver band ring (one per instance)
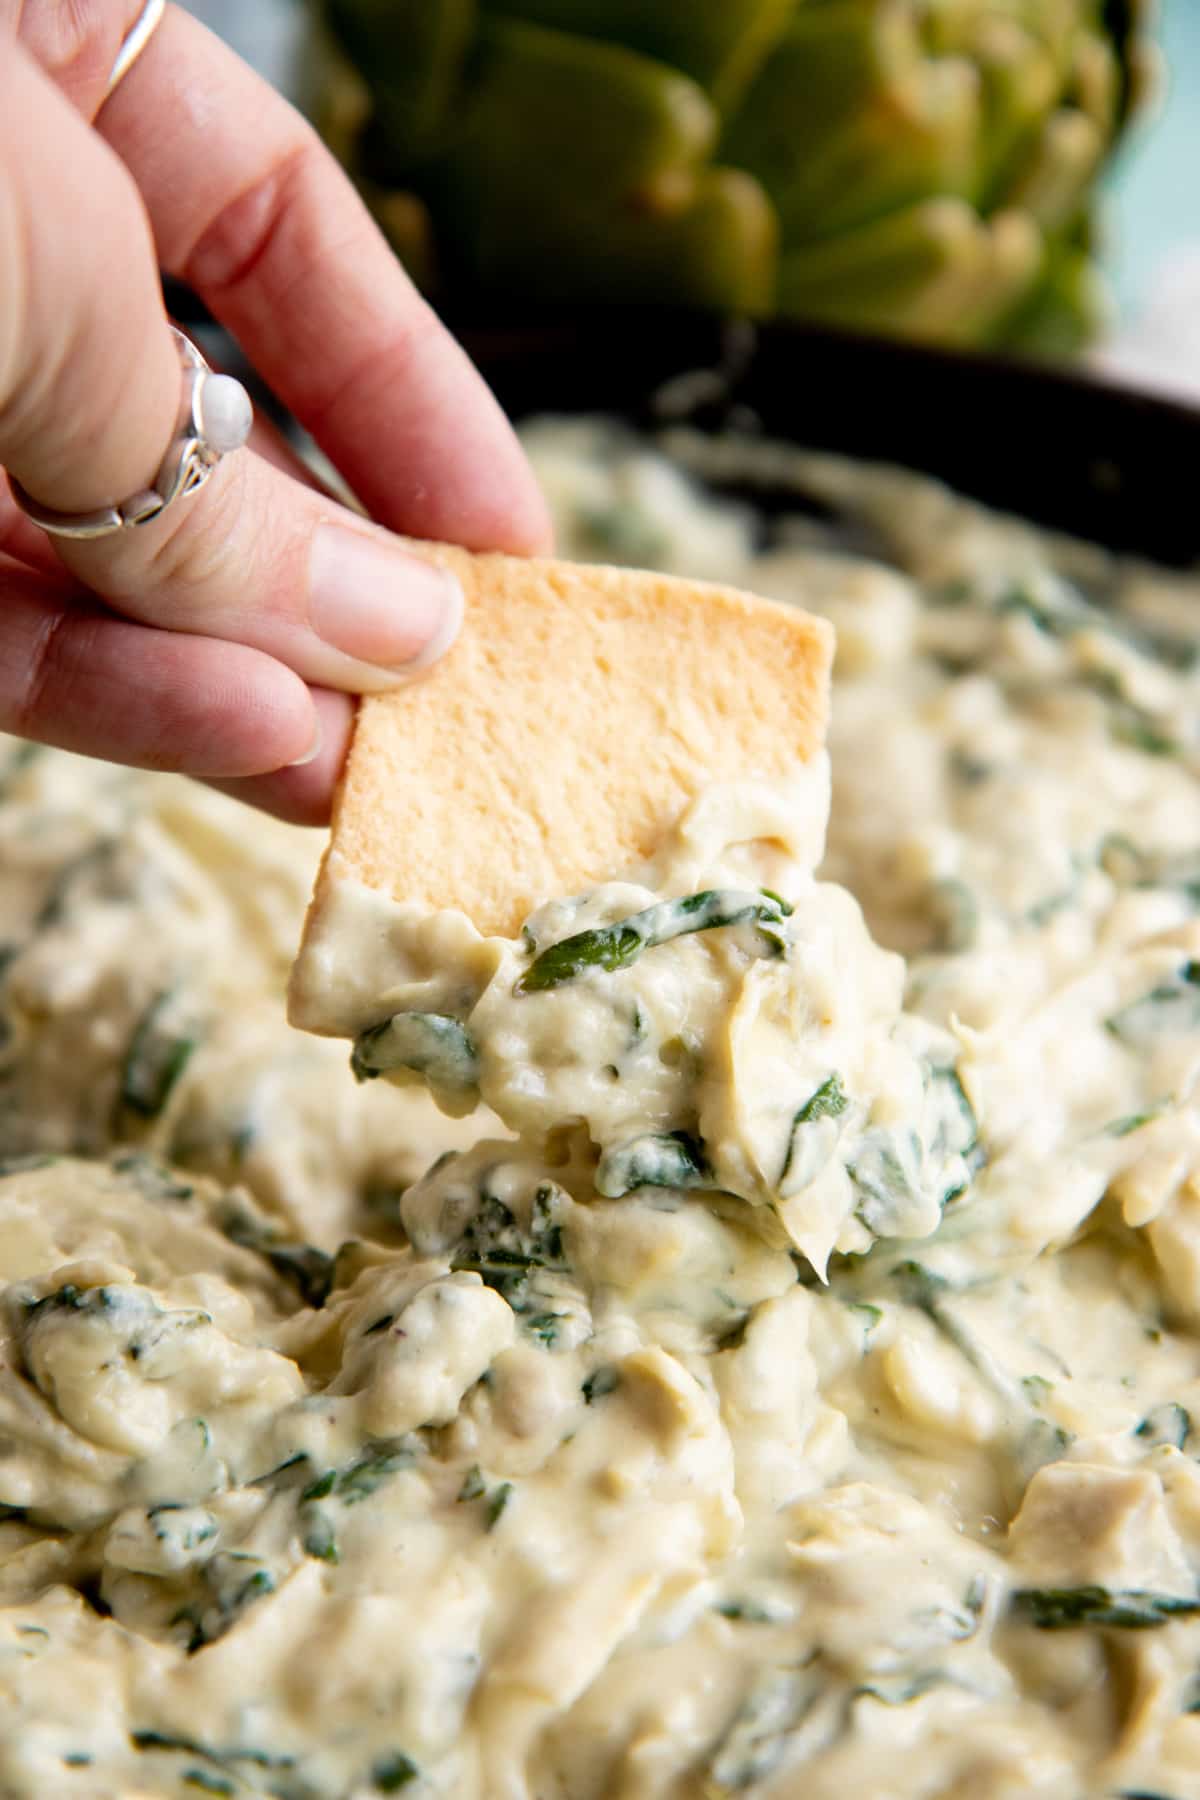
(135, 41)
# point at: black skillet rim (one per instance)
(1055, 444)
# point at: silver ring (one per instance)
(215, 416)
(135, 42)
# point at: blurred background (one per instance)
(1021, 174)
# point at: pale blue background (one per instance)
(1157, 187)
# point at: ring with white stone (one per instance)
(215, 416)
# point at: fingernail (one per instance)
(315, 748)
(379, 604)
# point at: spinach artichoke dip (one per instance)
(747, 1342)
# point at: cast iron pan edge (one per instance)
(1056, 445)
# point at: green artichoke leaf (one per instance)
(719, 43)
(412, 55)
(630, 210)
(1058, 174)
(882, 123)
(719, 249)
(1064, 310)
(934, 271)
(570, 112)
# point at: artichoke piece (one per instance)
(671, 1159)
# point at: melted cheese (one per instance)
(777, 1377)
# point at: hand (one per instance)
(225, 639)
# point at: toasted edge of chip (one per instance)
(579, 712)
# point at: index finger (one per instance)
(251, 210)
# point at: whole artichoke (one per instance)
(925, 167)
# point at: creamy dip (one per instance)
(771, 1367)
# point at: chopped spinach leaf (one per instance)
(928, 1292)
(734, 1335)
(1132, 1122)
(672, 1159)
(953, 916)
(612, 947)
(828, 1101)
(287, 1474)
(473, 1485)
(167, 1743)
(498, 1500)
(391, 1773)
(232, 1585)
(1129, 723)
(1055, 609)
(969, 770)
(360, 1478)
(429, 1044)
(207, 1784)
(870, 1315)
(886, 1173)
(309, 1269)
(159, 1052)
(320, 1539)
(348, 1486)
(750, 1612)
(622, 532)
(19, 758)
(1040, 1442)
(1128, 865)
(69, 1298)
(1166, 1424)
(1167, 1010)
(601, 1381)
(494, 1246)
(899, 1690)
(785, 906)
(757, 1738)
(22, 1164)
(151, 1179)
(1129, 1609)
(545, 1327)
(100, 859)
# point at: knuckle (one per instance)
(74, 43)
(53, 656)
(189, 553)
(242, 241)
